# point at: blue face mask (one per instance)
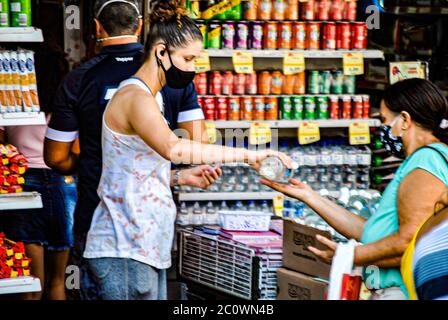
(392, 144)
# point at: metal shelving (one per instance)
(19, 285)
(19, 34)
(24, 200)
(22, 119)
(311, 54)
(291, 124)
(417, 10)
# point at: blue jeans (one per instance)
(52, 225)
(127, 279)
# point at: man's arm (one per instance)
(60, 156)
(2, 135)
(417, 194)
(196, 130)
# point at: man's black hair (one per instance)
(118, 18)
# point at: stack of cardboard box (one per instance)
(303, 276)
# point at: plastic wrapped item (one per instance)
(244, 220)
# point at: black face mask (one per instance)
(392, 144)
(175, 77)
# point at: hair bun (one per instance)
(164, 11)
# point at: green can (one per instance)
(235, 13)
(214, 35)
(285, 108)
(4, 13)
(203, 28)
(297, 108)
(322, 108)
(313, 82)
(310, 108)
(349, 84)
(20, 13)
(337, 82)
(325, 82)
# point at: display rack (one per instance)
(417, 10)
(24, 200)
(20, 285)
(22, 119)
(291, 124)
(19, 34)
(314, 54)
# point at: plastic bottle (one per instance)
(198, 218)
(239, 206)
(272, 168)
(264, 206)
(210, 214)
(183, 218)
(223, 206)
(252, 206)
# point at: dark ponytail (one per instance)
(425, 103)
(171, 24)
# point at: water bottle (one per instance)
(239, 206)
(183, 218)
(198, 218)
(344, 197)
(264, 206)
(272, 168)
(252, 206)
(210, 214)
(298, 209)
(223, 206)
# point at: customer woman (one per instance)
(413, 115)
(129, 243)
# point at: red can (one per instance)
(200, 82)
(344, 36)
(334, 107)
(239, 83)
(350, 11)
(222, 106)
(359, 35)
(251, 83)
(322, 10)
(307, 10)
(346, 107)
(234, 108)
(366, 106)
(247, 108)
(227, 83)
(209, 108)
(271, 108)
(313, 35)
(336, 10)
(201, 103)
(299, 35)
(358, 107)
(285, 35)
(329, 36)
(259, 107)
(215, 83)
(270, 35)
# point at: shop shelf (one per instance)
(288, 124)
(24, 200)
(20, 285)
(314, 54)
(417, 10)
(22, 118)
(19, 34)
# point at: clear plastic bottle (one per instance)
(223, 206)
(273, 168)
(252, 206)
(183, 218)
(239, 206)
(264, 206)
(210, 214)
(344, 197)
(198, 218)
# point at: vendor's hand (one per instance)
(325, 255)
(295, 189)
(200, 176)
(259, 156)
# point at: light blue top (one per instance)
(385, 221)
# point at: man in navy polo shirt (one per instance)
(79, 104)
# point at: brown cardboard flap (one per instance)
(297, 286)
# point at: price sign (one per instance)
(243, 62)
(202, 63)
(353, 63)
(359, 133)
(293, 62)
(259, 133)
(210, 128)
(405, 70)
(278, 205)
(308, 132)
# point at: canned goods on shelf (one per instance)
(325, 82)
(350, 10)
(239, 84)
(334, 107)
(256, 35)
(221, 106)
(209, 108)
(247, 108)
(313, 82)
(200, 82)
(358, 107)
(285, 35)
(288, 84)
(299, 83)
(227, 83)
(349, 84)
(271, 108)
(344, 35)
(251, 83)
(329, 36)
(277, 82)
(234, 112)
(278, 10)
(292, 10)
(250, 10)
(285, 108)
(214, 35)
(359, 35)
(299, 35)
(313, 35)
(337, 82)
(307, 10)
(270, 35)
(264, 82)
(322, 108)
(264, 10)
(366, 106)
(336, 10)
(259, 105)
(297, 108)
(346, 107)
(215, 83)
(322, 10)
(310, 108)
(242, 35)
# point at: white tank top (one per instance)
(135, 218)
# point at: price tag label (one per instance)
(202, 63)
(259, 133)
(359, 133)
(405, 70)
(243, 62)
(353, 63)
(425, 10)
(308, 132)
(210, 128)
(412, 10)
(278, 205)
(293, 62)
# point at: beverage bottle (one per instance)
(344, 197)
(198, 218)
(286, 209)
(298, 209)
(183, 218)
(241, 180)
(350, 167)
(366, 199)
(379, 179)
(239, 206)
(210, 214)
(272, 168)
(324, 163)
(374, 202)
(252, 206)
(264, 206)
(309, 171)
(223, 206)
(364, 161)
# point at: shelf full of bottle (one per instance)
(328, 164)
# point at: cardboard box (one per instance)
(296, 256)
(297, 286)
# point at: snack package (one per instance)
(3, 97)
(16, 168)
(12, 96)
(11, 189)
(15, 179)
(14, 61)
(4, 170)
(25, 82)
(32, 80)
(18, 159)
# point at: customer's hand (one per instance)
(325, 255)
(258, 156)
(295, 189)
(200, 176)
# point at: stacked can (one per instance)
(285, 35)
(209, 108)
(322, 108)
(228, 35)
(358, 107)
(325, 82)
(271, 108)
(227, 83)
(264, 82)
(359, 35)
(313, 35)
(200, 82)
(366, 106)
(264, 10)
(310, 108)
(270, 35)
(334, 107)
(20, 13)
(247, 108)
(299, 35)
(239, 83)
(344, 36)
(234, 112)
(242, 35)
(313, 82)
(4, 13)
(349, 84)
(307, 10)
(278, 10)
(214, 35)
(215, 83)
(251, 83)
(256, 35)
(297, 108)
(285, 108)
(329, 31)
(221, 106)
(346, 107)
(337, 82)
(259, 107)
